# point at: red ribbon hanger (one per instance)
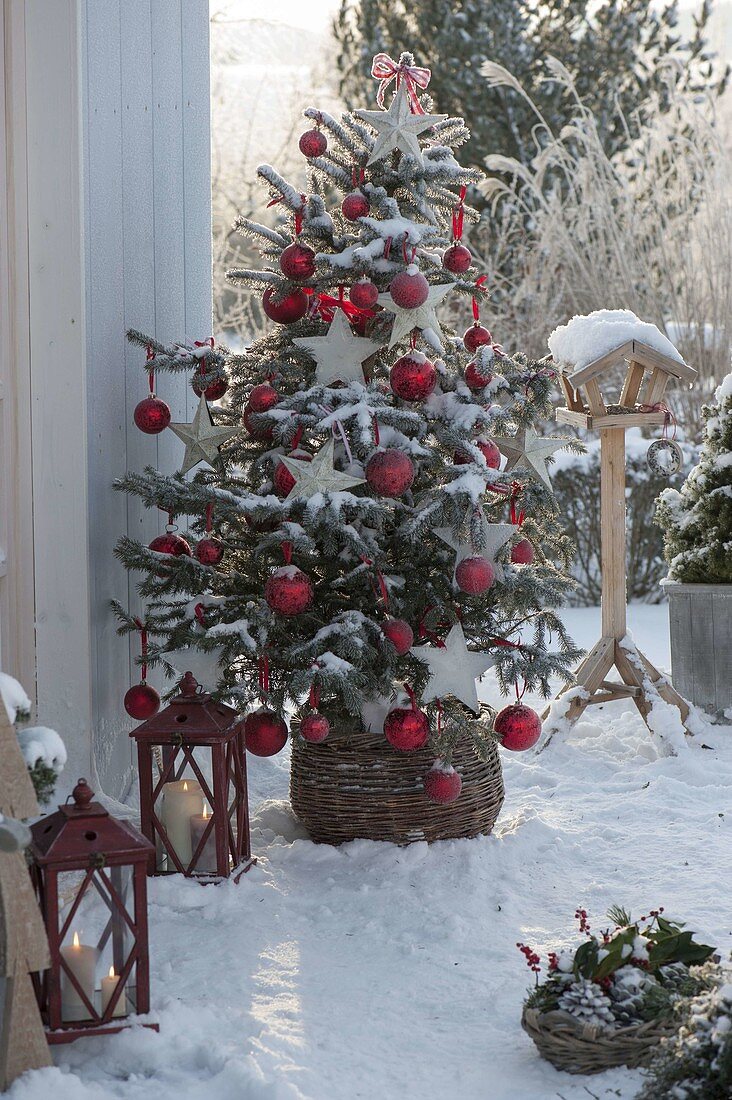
(458, 216)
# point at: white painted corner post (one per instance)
(111, 103)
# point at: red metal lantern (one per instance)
(193, 787)
(89, 870)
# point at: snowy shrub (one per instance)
(647, 229)
(696, 1064)
(632, 972)
(42, 748)
(576, 484)
(697, 520)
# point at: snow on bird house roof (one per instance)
(588, 345)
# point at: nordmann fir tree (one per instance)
(358, 534)
(697, 520)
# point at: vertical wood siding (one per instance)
(148, 266)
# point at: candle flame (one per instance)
(205, 811)
(76, 939)
(111, 972)
(185, 786)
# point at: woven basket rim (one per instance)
(548, 1022)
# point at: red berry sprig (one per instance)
(584, 924)
(533, 961)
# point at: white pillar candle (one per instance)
(109, 984)
(181, 800)
(207, 859)
(81, 960)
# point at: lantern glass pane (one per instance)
(96, 929)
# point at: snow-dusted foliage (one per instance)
(367, 554)
(574, 229)
(627, 973)
(696, 1064)
(42, 748)
(632, 40)
(697, 520)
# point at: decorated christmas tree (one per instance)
(372, 502)
(697, 519)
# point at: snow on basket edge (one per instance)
(586, 338)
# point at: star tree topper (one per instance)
(318, 476)
(339, 355)
(423, 317)
(202, 438)
(398, 128)
(493, 537)
(530, 450)
(453, 668)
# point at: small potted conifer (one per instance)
(697, 526)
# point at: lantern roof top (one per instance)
(192, 717)
(81, 831)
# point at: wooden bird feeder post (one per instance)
(586, 408)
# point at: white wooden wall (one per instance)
(105, 220)
(145, 67)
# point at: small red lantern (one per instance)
(193, 806)
(89, 870)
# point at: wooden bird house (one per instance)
(647, 375)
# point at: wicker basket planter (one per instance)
(355, 785)
(575, 1047)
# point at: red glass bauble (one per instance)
(400, 634)
(263, 397)
(288, 591)
(518, 726)
(457, 259)
(209, 551)
(474, 575)
(265, 733)
(151, 415)
(390, 472)
(488, 449)
(264, 433)
(406, 728)
(476, 336)
(287, 309)
(413, 377)
(283, 480)
(474, 378)
(364, 294)
(442, 784)
(313, 143)
(360, 323)
(355, 206)
(315, 727)
(522, 553)
(141, 702)
(213, 391)
(297, 261)
(409, 289)
(170, 543)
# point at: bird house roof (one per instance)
(631, 351)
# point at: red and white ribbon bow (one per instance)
(385, 69)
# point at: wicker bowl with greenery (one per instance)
(611, 1001)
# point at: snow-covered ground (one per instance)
(373, 971)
